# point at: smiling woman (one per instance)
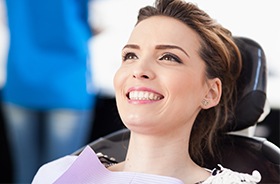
(175, 91)
(166, 66)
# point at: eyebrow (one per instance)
(163, 47)
(159, 47)
(132, 46)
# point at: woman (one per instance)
(175, 91)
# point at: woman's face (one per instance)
(161, 81)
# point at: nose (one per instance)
(144, 76)
(143, 71)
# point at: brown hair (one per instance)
(222, 59)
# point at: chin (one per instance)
(141, 126)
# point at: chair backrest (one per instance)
(251, 85)
(241, 153)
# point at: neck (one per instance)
(162, 155)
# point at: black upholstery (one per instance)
(251, 85)
(239, 153)
(245, 154)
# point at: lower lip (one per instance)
(142, 101)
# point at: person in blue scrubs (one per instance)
(48, 96)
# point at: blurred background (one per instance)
(114, 19)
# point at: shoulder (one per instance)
(49, 172)
(221, 175)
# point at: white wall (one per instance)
(4, 39)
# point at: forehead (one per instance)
(163, 29)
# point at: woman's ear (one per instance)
(213, 96)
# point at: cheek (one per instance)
(184, 102)
(117, 85)
(118, 79)
(185, 88)
(115, 80)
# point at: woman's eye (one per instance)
(170, 57)
(129, 56)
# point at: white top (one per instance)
(87, 168)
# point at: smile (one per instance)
(144, 95)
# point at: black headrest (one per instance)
(251, 85)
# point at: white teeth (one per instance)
(143, 95)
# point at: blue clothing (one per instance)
(48, 95)
(47, 60)
(39, 137)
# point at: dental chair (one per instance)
(240, 150)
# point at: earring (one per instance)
(205, 102)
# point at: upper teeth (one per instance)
(143, 95)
